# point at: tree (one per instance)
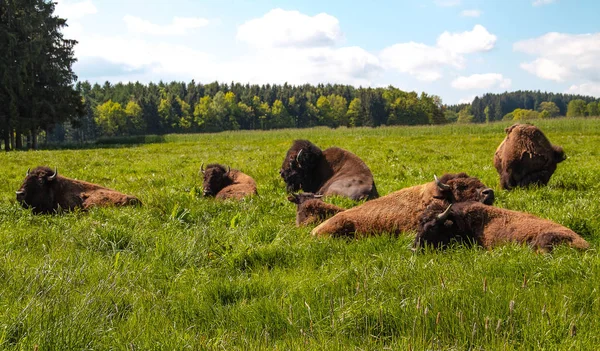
(576, 108)
(487, 112)
(592, 109)
(353, 112)
(549, 107)
(135, 120)
(339, 107)
(325, 111)
(465, 115)
(111, 118)
(280, 116)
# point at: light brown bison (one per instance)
(45, 191)
(333, 171)
(225, 183)
(525, 157)
(474, 223)
(399, 211)
(311, 209)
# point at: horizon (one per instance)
(468, 48)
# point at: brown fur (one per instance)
(491, 226)
(526, 157)
(310, 209)
(399, 211)
(47, 195)
(227, 184)
(334, 171)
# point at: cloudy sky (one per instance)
(456, 49)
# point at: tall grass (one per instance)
(185, 272)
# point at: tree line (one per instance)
(178, 107)
(521, 105)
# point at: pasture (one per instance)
(186, 272)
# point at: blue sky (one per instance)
(456, 49)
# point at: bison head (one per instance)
(440, 225)
(216, 177)
(460, 187)
(299, 199)
(38, 190)
(298, 168)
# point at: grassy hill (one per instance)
(185, 272)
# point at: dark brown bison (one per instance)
(45, 191)
(311, 209)
(525, 157)
(399, 211)
(225, 183)
(333, 171)
(474, 223)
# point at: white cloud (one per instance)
(420, 60)
(481, 81)
(542, 2)
(179, 26)
(427, 63)
(562, 57)
(280, 28)
(447, 3)
(479, 39)
(591, 89)
(467, 100)
(470, 13)
(74, 10)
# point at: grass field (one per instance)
(185, 272)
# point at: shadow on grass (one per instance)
(107, 143)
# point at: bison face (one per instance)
(37, 191)
(460, 187)
(436, 227)
(215, 179)
(299, 165)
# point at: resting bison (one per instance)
(311, 209)
(226, 183)
(399, 211)
(488, 226)
(526, 157)
(334, 171)
(45, 192)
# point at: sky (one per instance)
(456, 49)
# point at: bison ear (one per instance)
(509, 129)
(293, 198)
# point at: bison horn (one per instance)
(20, 192)
(298, 158)
(228, 169)
(441, 185)
(28, 169)
(202, 168)
(442, 216)
(54, 175)
(318, 196)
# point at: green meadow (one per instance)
(187, 272)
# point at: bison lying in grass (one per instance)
(333, 171)
(474, 223)
(525, 157)
(399, 211)
(45, 191)
(226, 183)
(311, 209)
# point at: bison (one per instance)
(474, 223)
(399, 211)
(227, 183)
(45, 191)
(525, 157)
(311, 209)
(333, 171)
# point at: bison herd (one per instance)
(452, 208)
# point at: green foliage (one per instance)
(465, 115)
(353, 113)
(550, 108)
(111, 118)
(593, 109)
(525, 115)
(576, 108)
